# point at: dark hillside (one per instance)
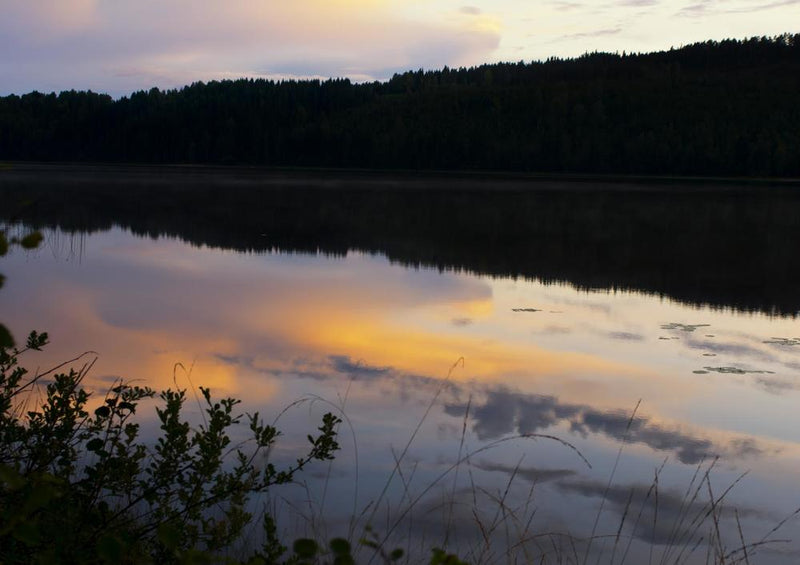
(717, 108)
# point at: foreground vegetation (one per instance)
(78, 485)
(715, 108)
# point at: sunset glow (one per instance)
(121, 46)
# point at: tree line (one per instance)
(725, 108)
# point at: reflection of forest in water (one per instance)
(725, 245)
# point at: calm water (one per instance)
(479, 362)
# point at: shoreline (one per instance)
(405, 179)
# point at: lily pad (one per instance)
(683, 327)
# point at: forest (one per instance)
(726, 109)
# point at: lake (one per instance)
(528, 364)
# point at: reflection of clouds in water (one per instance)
(732, 349)
(506, 412)
(358, 369)
(343, 367)
(626, 336)
(650, 512)
(554, 330)
(532, 474)
(775, 385)
(588, 304)
(659, 516)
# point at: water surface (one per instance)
(488, 363)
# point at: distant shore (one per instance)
(333, 178)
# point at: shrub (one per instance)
(81, 486)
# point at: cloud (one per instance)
(357, 369)
(626, 336)
(659, 516)
(470, 10)
(774, 385)
(532, 474)
(763, 7)
(132, 43)
(639, 3)
(505, 412)
(568, 6)
(733, 349)
(697, 9)
(594, 33)
(40, 19)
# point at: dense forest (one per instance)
(724, 108)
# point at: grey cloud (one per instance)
(111, 379)
(497, 416)
(344, 364)
(626, 336)
(733, 349)
(687, 449)
(470, 10)
(762, 7)
(775, 385)
(532, 474)
(233, 359)
(555, 330)
(595, 33)
(663, 516)
(461, 321)
(568, 6)
(695, 10)
(299, 370)
(506, 412)
(344, 367)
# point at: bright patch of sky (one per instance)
(118, 46)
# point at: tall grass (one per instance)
(701, 526)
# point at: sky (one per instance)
(119, 46)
